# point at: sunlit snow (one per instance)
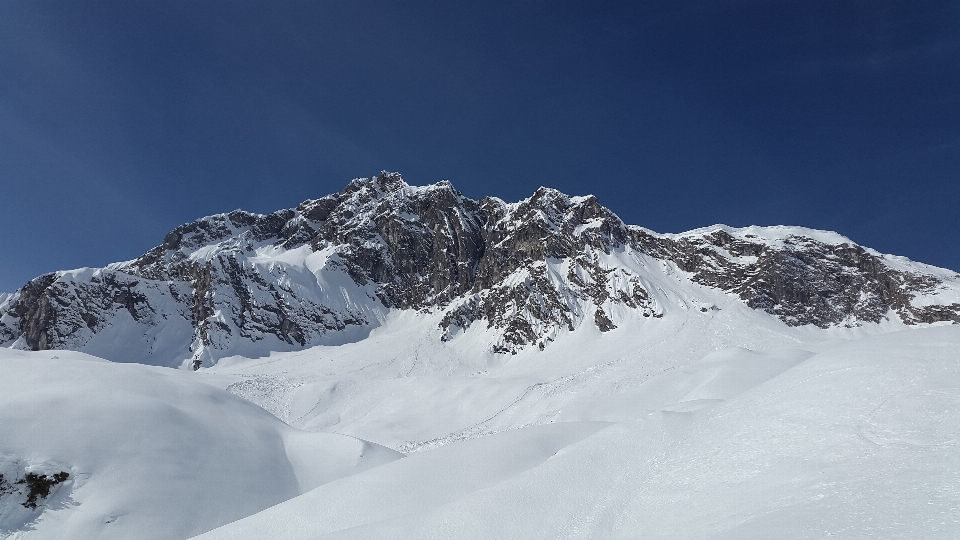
(717, 424)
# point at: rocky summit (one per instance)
(517, 274)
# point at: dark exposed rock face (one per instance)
(516, 288)
(804, 281)
(419, 248)
(526, 271)
(30, 489)
(33, 309)
(52, 310)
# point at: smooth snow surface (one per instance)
(860, 440)
(418, 483)
(151, 452)
(716, 421)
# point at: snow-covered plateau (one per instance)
(404, 362)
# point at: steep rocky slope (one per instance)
(329, 271)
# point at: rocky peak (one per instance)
(385, 182)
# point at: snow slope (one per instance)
(415, 484)
(406, 389)
(711, 423)
(858, 440)
(150, 452)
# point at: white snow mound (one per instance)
(150, 452)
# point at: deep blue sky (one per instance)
(121, 120)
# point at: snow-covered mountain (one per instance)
(424, 365)
(505, 276)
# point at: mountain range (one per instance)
(512, 275)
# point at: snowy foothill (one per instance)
(723, 423)
(150, 452)
(858, 440)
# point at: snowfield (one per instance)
(718, 424)
(150, 452)
(858, 440)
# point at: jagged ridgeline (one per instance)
(516, 275)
